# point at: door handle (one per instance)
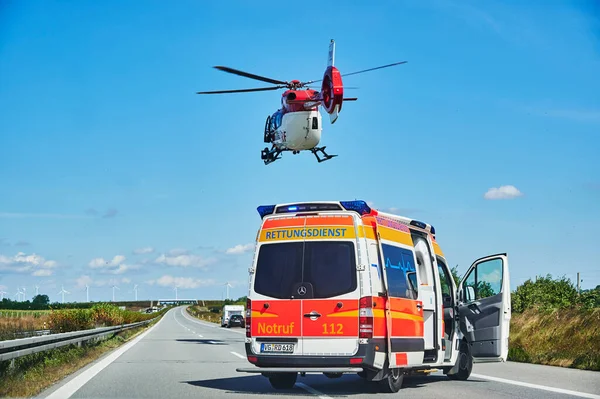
(419, 306)
(312, 314)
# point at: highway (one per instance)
(182, 357)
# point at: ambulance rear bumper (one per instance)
(308, 370)
(364, 357)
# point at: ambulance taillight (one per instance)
(365, 317)
(248, 318)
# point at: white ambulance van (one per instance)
(337, 287)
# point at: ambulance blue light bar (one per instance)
(358, 206)
(307, 207)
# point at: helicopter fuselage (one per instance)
(296, 126)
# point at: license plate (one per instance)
(277, 348)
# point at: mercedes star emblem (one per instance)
(302, 290)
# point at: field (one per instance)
(14, 322)
(17, 323)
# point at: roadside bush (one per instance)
(544, 293)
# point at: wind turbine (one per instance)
(113, 288)
(175, 292)
(228, 286)
(2, 295)
(135, 289)
(37, 290)
(63, 292)
(18, 294)
(24, 290)
(87, 293)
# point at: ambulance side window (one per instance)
(398, 262)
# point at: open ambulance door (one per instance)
(403, 316)
(484, 308)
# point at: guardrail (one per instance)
(15, 348)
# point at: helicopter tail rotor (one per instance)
(332, 88)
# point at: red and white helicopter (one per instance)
(296, 126)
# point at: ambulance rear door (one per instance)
(330, 281)
(484, 308)
(276, 313)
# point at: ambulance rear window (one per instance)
(328, 266)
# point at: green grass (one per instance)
(567, 338)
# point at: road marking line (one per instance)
(72, 386)
(212, 342)
(201, 336)
(313, 391)
(238, 355)
(536, 386)
(204, 324)
(193, 332)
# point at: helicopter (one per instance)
(296, 126)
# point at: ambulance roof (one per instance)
(359, 206)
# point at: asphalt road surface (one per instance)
(182, 357)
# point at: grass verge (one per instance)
(566, 338)
(30, 375)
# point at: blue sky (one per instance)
(113, 171)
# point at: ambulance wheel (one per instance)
(393, 382)
(465, 363)
(283, 380)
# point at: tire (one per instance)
(283, 380)
(393, 382)
(465, 362)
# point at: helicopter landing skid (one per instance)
(316, 150)
(269, 156)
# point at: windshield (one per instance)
(328, 266)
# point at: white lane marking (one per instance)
(201, 336)
(238, 355)
(313, 391)
(212, 342)
(203, 324)
(182, 324)
(72, 386)
(536, 386)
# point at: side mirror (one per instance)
(469, 293)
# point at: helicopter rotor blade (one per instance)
(250, 75)
(372, 69)
(364, 70)
(240, 90)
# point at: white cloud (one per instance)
(502, 192)
(22, 263)
(184, 261)
(82, 281)
(114, 266)
(145, 250)
(240, 249)
(178, 251)
(182, 282)
(42, 273)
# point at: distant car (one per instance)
(236, 320)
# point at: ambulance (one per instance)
(336, 287)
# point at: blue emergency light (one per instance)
(265, 210)
(358, 206)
